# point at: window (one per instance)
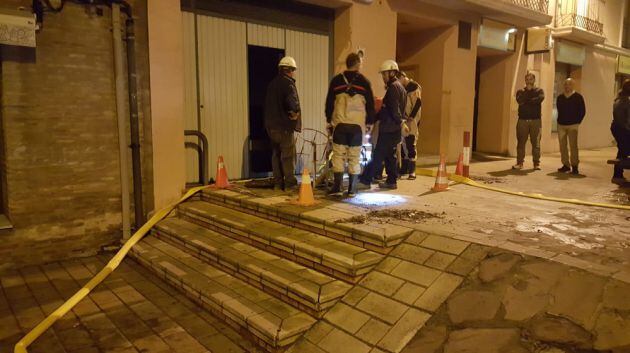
(464, 35)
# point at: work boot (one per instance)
(353, 185)
(389, 186)
(336, 189)
(404, 167)
(412, 170)
(564, 169)
(536, 166)
(575, 170)
(517, 166)
(619, 180)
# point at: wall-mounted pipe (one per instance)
(122, 121)
(132, 88)
(199, 150)
(204, 154)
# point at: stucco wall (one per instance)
(167, 99)
(598, 89)
(425, 51)
(372, 27)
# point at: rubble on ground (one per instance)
(387, 215)
(487, 179)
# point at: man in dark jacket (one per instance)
(390, 117)
(620, 129)
(571, 112)
(529, 101)
(349, 111)
(282, 119)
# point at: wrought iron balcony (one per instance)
(578, 21)
(575, 20)
(541, 6)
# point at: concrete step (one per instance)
(268, 321)
(335, 258)
(304, 288)
(381, 238)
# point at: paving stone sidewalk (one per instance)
(459, 284)
(132, 311)
(386, 309)
(522, 304)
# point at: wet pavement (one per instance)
(592, 236)
(482, 271)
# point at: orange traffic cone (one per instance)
(460, 165)
(222, 178)
(305, 196)
(441, 179)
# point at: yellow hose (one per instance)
(21, 345)
(468, 181)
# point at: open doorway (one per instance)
(562, 72)
(262, 66)
(476, 106)
(4, 221)
(492, 103)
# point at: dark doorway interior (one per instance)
(476, 107)
(262, 68)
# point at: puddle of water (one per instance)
(579, 241)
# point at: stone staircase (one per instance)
(267, 269)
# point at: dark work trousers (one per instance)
(385, 151)
(408, 154)
(622, 136)
(283, 157)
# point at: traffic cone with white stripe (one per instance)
(459, 170)
(467, 154)
(222, 178)
(441, 179)
(305, 196)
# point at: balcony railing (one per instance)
(541, 6)
(575, 20)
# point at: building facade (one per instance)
(203, 65)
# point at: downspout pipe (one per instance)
(134, 124)
(122, 124)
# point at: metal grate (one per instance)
(541, 6)
(575, 20)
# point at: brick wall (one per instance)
(61, 158)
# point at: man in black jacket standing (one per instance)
(571, 112)
(282, 119)
(529, 101)
(390, 117)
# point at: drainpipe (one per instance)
(120, 112)
(134, 123)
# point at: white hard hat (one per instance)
(288, 62)
(388, 65)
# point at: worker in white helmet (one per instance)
(390, 118)
(282, 119)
